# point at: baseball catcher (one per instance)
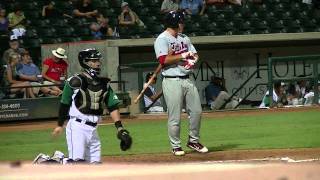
(85, 95)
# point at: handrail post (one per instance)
(315, 82)
(270, 80)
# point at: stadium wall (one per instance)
(233, 57)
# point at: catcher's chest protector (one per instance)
(91, 95)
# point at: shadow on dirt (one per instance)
(223, 147)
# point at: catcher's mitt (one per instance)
(125, 139)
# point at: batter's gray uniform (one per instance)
(178, 88)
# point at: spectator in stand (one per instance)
(28, 71)
(193, 7)
(279, 97)
(68, 11)
(10, 78)
(104, 25)
(95, 31)
(169, 5)
(49, 11)
(151, 97)
(54, 69)
(101, 28)
(128, 17)
(4, 22)
(14, 48)
(85, 9)
(216, 95)
(17, 21)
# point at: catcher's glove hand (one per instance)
(125, 139)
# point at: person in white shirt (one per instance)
(278, 96)
(151, 97)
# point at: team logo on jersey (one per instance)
(179, 47)
(115, 97)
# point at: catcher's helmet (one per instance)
(173, 19)
(86, 55)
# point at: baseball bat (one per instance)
(155, 73)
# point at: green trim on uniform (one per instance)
(67, 94)
(112, 99)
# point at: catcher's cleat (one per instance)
(197, 147)
(178, 152)
(41, 158)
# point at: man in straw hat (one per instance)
(54, 68)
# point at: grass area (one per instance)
(268, 131)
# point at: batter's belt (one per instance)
(181, 77)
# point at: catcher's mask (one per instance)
(87, 55)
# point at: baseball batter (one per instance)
(84, 97)
(176, 53)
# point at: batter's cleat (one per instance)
(178, 152)
(197, 147)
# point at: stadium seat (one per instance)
(83, 31)
(31, 33)
(41, 23)
(152, 3)
(102, 4)
(204, 20)
(227, 26)
(156, 29)
(47, 32)
(79, 22)
(109, 12)
(150, 20)
(244, 10)
(276, 26)
(136, 5)
(210, 27)
(33, 43)
(212, 11)
(29, 6)
(308, 24)
(30, 14)
(61, 4)
(87, 38)
(71, 39)
(59, 23)
(66, 31)
(192, 27)
(259, 25)
(144, 12)
(50, 40)
(245, 26)
(115, 3)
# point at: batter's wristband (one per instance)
(118, 124)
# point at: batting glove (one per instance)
(187, 54)
(189, 63)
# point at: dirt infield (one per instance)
(183, 171)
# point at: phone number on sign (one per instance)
(10, 106)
